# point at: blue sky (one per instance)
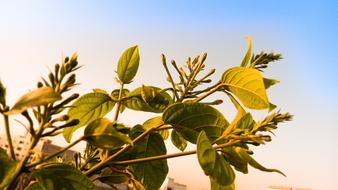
(34, 35)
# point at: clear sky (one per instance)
(35, 34)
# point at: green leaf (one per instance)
(216, 186)
(103, 134)
(223, 174)
(178, 140)
(7, 168)
(62, 177)
(269, 82)
(128, 65)
(139, 100)
(191, 118)
(205, 153)
(246, 123)
(245, 156)
(155, 122)
(248, 54)
(150, 174)
(34, 186)
(38, 97)
(235, 160)
(86, 109)
(247, 84)
(112, 178)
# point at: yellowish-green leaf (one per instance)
(248, 54)
(247, 85)
(154, 123)
(128, 65)
(152, 99)
(239, 115)
(86, 109)
(38, 97)
(103, 134)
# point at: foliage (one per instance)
(117, 153)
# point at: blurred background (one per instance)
(34, 35)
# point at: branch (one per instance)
(160, 157)
(118, 104)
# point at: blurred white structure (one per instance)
(44, 147)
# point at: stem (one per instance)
(56, 153)
(208, 93)
(118, 104)
(100, 165)
(164, 62)
(9, 138)
(203, 78)
(160, 157)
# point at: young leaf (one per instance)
(205, 153)
(140, 100)
(38, 97)
(239, 115)
(269, 82)
(150, 174)
(196, 117)
(178, 140)
(103, 134)
(247, 56)
(62, 176)
(86, 109)
(128, 65)
(7, 168)
(245, 156)
(247, 84)
(245, 123)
